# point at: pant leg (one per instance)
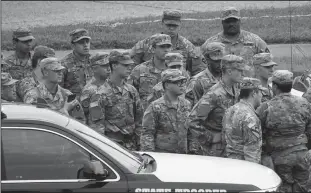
(301, 172)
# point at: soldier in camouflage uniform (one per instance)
(205, 120)
(115, 109)
(238, 42)
(77, 64)
(287, 121)
(54, 95)
(241, 126)
(171, 22)
(146, 75)
(172, 61)
(307, 94)
(101, 70)
(264, 68)
(163, 122)
(19, 63)
(27, 83)
(202, 82)
(8, 88)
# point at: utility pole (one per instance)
(290, 37)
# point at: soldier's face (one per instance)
(236, 75)
(265, 71)
(24, 46)
(170, 29)
(82, 47)
(103, 71)
(231, 26)
(177, 87)
(123, 70)
(258, 98)
(9, 92)
(54, 76)
(214, 65)
(161, 50)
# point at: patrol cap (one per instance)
(172, 75)
(251, 83)
(121, 56)
(263, 59)
(79, 34)
(172, 59)
(100, 58)
(214, 50)
(6, 79)
(51, 64)
(160, 39)
(23, 34)
(233, 61)
(282, 77)
(43, 51)
(230, 12)
(171, 17)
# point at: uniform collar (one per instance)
(117, 89)
(47, 95)
(248, 104)
(227, 89)
(239, 39)
(78, 58)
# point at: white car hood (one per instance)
(207, 169)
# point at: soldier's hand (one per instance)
(69, 106)
(217, 138)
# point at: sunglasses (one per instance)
(179, 82)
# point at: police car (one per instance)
(45, 151)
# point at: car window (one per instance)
(41, 155)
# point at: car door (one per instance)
(44, 160)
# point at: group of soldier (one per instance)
(223, 99)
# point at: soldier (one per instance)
(171, 22)
(307, 94)
(172, 61)
(8, 88)
(286, 120)
(54, 95)
(116, 109)
(77, 64)
(19, 63)
(264, 68)
(238, 42)
(101, 70)
(148, 74)
(205, 120)
(27, 83)
(202, 82)
(241, 126)
(163, 122)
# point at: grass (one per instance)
(273, 30)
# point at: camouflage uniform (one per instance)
(56, 102)
(246, 45)
(30, 82)
(93, 85)
(242, 128)
(287, 121)
(193, 63)
(171, 59)
(116, 110)
(7, 80)
(163, 123)
(77, 72)
(17, 68)
(307, 94)
(203, 81)
(146, 75)
(205, 119)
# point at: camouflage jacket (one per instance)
(205, 119)
(242, 132)
(199, 85)
(286, 121)
(163, 126)
(16, 68)
(307, 94)
(193, 63)
(88, 92)
(25, 85)
(76, 73)
(267, 94)
(246, 46)
(144, 77)
(56, 102)
(116, 109)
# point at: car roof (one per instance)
(21, 111)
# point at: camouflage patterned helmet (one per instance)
(79, 34)
(251, 83)
(172, 75)
(121, 56)
(233, 62)
(172, 59)
(23, 34)
(100, 58)
(43, 51)
(230, 12)
(213, 50)
(160, 39)
(282, 77)
(51, 64)
(171, 17)
(263, 59)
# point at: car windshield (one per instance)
(131, 160)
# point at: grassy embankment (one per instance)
(272, 29)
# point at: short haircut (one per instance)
(286, 88)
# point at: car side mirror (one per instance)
(93, 170)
